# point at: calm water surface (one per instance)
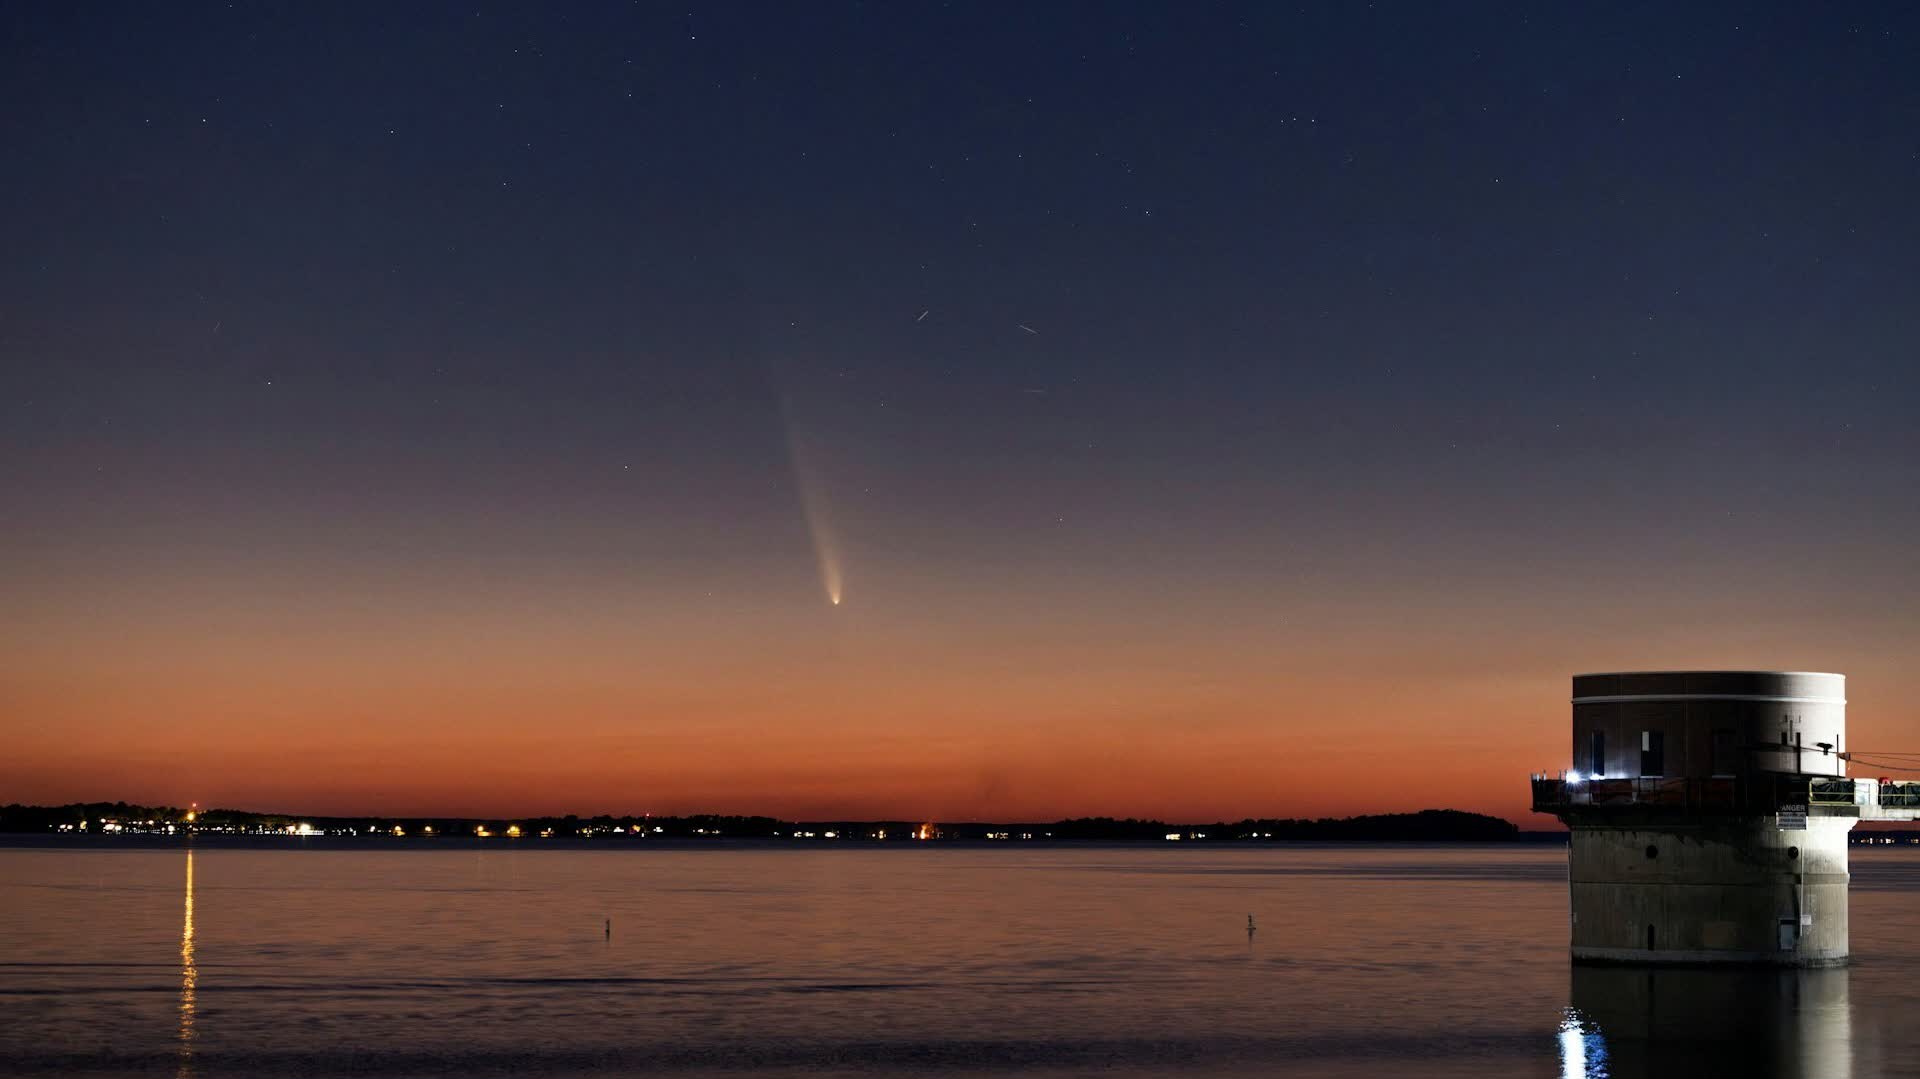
(461, 959)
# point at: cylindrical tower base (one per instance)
(1709, 890)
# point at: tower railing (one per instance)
(1762, 793)
(1552, 793)
(1832, 792)
(1900, 795)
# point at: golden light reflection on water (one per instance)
(189, 976)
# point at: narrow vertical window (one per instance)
(1653, 753)
(1598, 762)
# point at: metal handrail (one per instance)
(1755, 793)
(1678, 791)
(1900, 794)
(1830, 792)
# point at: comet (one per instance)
(814, 508)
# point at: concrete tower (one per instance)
(1709, 813)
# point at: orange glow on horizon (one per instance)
(919, 705)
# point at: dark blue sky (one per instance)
(1205, 333)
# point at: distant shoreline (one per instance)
(29, 841)
(119, 819)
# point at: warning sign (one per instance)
(1793, 818)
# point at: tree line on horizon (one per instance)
(1431, 825)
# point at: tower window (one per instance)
(1653, 753)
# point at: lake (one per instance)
(322, 958)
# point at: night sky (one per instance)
(1196, 411)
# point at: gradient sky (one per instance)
(1203, 411)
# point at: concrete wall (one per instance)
(1713, 890)
(1764, 721)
